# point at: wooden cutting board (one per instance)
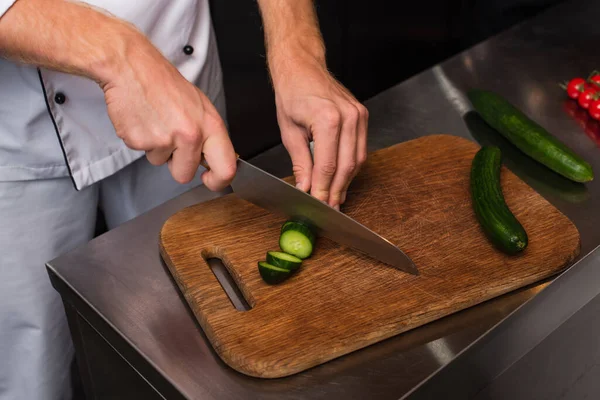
(416, 194)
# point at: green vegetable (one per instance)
(529, 136)
(272, 274)
(297, 239)
(288, 223)
(283, 260)
(493, 214)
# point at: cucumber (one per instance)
(529, 136)
(496, 219)
(272, 274)
(288, 223)
(297, 239)
(283, 260)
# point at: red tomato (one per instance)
(594, 109)
(591, 85)
(586, 97)
(595, 79)
(575, 87)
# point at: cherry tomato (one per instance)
(591, 85)
(575, 87)
(594, 109)
(586, 97)
(594, 81)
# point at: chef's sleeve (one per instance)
(5, 5)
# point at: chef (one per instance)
(110, 104)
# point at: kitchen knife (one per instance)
(271, 193)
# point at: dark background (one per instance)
(371, 45)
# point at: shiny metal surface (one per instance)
(271, 193)
(122, 281)
(547, 349)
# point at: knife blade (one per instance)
(276, 195)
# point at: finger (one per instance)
(361, 146)
(346, 163)
(326, 133)
(220, 156)
(138, 139)
(159, 156)
(363, 131)
(295, 140)
(184, 163)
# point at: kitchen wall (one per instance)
(372, 45)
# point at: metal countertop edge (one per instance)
(97, 312)
(499, 343)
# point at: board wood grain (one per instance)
(416, 194)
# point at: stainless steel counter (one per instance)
(118, 285)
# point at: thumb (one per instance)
(295, 141)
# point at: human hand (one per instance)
(155, 109)
(312, 105)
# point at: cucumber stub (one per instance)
(283, 260)
(297, 239)
(272, 274)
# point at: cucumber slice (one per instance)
(297, 239)
(296, 243)
(299, 226)
(272, 274)
(283, 260)
(288, 224)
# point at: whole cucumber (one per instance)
(491, 210)
(529, 136)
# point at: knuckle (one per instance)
(299, 169)
(189, 137)
(352, 115)
(228, 172)
(134, 142)
(331, 117)
(349, 167)
(189, 133)
(363, 112)
(216, 122)
(327, 168)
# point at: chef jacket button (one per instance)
(188, 50)
(59, 98)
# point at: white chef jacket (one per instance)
(56, 125)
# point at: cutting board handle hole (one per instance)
(228, 283)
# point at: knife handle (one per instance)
(205, 164)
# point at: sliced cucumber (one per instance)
(297, 239)
(283, 260)
(286, 224)
(272, 274)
